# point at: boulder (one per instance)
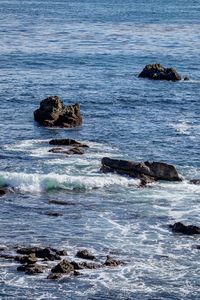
(85, 265)
(31, 269)
(185, 229)
(45, 253)
(146, 171)
(85, 254)
(71, 151)
(53, 112)
(67, 142)
(158, 72)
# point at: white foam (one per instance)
(39, 182)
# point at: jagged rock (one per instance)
(31, 269)
(146, 171)
(27, 250)
(158, 72)
(8, 256)
(195, 181)
(111, 262)
(53, 112)
(67, 142)
(63, 267)
(85, 254)
(185, 229)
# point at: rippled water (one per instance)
(91, 52)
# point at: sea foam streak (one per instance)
(43, 182)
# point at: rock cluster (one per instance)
(185, 229)
(158, 72)
(53, 112)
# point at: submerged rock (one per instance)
(71, 151)
(85, 254)
(158, 72)
(67, 142)
(53, 112)
(85, 265)
(146, 171)
(45, 253)
(185, 229)
(54, 214)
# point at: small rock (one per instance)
(111, 262)
(54, 276)
(36, 269)
(158, 72)
(67, 142)
(85, 254)
(185, 229)
(27, 250)
(56, 150)
(61, 202)
(54, 214)
(48, 254)
(2, 192)
(28, 259)
(85, 265)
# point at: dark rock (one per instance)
(195, 181)
(185, 229)
(8, 256)
(54, 214)
(158, 72)
(36, 269)
(85, 265)
(186, 78)
(56, 150)
(53, 112)
(60, 202)
(27, 259)
(85, 254)
(48, 254)
(197, 247)
(45, 253)
(63, 267)
(2, 192)
(111, 262)
(146, 171)
(62, 252)
(21, 268)
(76, 273)
(75, 150)
(67, 142)
(54, 276)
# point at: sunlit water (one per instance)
(91, 52)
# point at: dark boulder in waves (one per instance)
(53, 112)
(158, 72)
(145, 171)
(185, 229)
(67, 142)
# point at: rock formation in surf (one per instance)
(158, 72)
(52, 112)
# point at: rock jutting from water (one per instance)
(146, 171)
(158, 72)
(185, 229)
(67, 142)
(53, 112)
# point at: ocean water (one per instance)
(91, 52)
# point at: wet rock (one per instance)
(75, 150)
(27, 250)
(111, 262)
(67, 142)
(8, 256)
(36, 269)
(85, 265)
(146, 171)
(85, 254)
(185, 229)
(53, 112)
(2, 192)
(195, 181)
(158, 72)
(56, 150)
(63, 267)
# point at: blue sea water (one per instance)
(91, 52)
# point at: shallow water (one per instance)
(91, 52)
